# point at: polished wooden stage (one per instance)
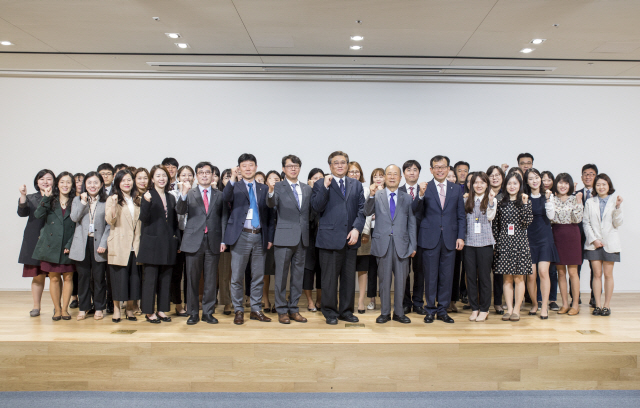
(563, 352)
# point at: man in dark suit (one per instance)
(249, 232)
(442, 232)
(411, 170)
(292, 200)
(589, 173)
(339, 202)
(459, 290)
(202, 240)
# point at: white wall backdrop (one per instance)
(75, 124)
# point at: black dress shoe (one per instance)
(118, 320)
(193, 319)
(419, 310)
(227, 312)
(73, 304)
(401, 319)
(361, 311)
(464, 299)
(349, 318)
(154, 321)
(445, 318)
(592, 302)
(332, 320)
(383, 318)
(110, 309)
(544, 317)
(209, 319)
(164, 319)
(428, 318)
(406, 309)
(132, 318)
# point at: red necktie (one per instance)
(413, 197)
(206, 206)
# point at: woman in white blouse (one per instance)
(602, 218)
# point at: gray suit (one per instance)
(202, 250)
(291, 241)
(392, 243)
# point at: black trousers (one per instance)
(338, 269)
(204, 262)
(89, 270)
(157, 279)
(477, 262)
(311, 274)
(497, 289)
(372, 277)
(417, 300)
(126, 281)
(459, 278)
(74, 292)
(177, 275)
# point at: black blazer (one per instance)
(416, 192)
(237, 197)
(31, 230)
(159, 237)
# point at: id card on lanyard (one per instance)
(511, 229)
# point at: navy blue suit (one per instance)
(237, 197)
(439, 230)
(338, 214)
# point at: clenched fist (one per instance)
(492, 195)
(83, 197)
(327, 180)
(579, 197)
(525, 199)
(547, 194)
(504, 167)
(618, 201)
(46, 192)
(147, 196)
(271, 183)
(423, 188)
(23, 190)
(185, 186)
(114, 199)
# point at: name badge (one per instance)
(511, 229)
(477, 228)
(91, 228)
(250, 214)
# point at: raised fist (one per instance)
(465, 195)
(504, 167)
(234, 173)
(23, 190)
(492, 195)
(423, 188)
(46, 192)
(327, 180)
(575, 186)
(271, 183)
(618, 201)
(83, 197)
(372, 190)
(579, 197)
(114, 199)
(547, 194)
(147, 196)
(525, 199)
(185, 187)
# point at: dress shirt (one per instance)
(337, 179)
(298, 190)
(416, 190)
(108, 189)
(603, 204)
(184, 196)
(247, 222)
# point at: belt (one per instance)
(252, 230)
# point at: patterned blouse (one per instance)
(567, 212)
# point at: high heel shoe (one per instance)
(132, 318)
(164, 319)
(544, 317)
(155, 321)
(181, 314)
(118, 320)
(533, 313)
(361, 311)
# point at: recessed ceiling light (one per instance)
(356, 47)
(526, 50)
(183, 45)
(173, 35)
(6, 43)
(538, 41)
(357, 37)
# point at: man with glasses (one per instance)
(339, 202)
(292, 200)
(589, 173)
(202, 240)
(106, 170)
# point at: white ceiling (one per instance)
(592, 39)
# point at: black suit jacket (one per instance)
(159, 237)
(32, 230)
(214, 221)
(237, 197)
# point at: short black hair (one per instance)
(607, 179)
(276, 172)
(170, 161)
(523, 155)
(105, 166)
(590, 166)
(437, 159)
(294, 159)
(120, 166)
(42, 173)
(75, 176)
(461, 163)
(315, 171)
(566, 177)
(204, 164)
(410, 163)
(247, 157)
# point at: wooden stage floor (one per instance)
(563, 352)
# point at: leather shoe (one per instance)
(73, 304)
(239, 319)
(297, 317)
(332, 320)
(259, 316)
(193, 319)
(446, 318)
(428, 318)
(110, 309)
(401, 319)
(383, 318)
(208, 318)
(283, 318)
(349, 318)
(406, 309)
(419, 310)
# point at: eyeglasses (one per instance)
(106, 173)
(495, 176)
(440, 167)
(354, 172)
(204, 173)
(292, 166)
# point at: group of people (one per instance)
(146, 239)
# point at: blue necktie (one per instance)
(255, 221)
(342, 186)
(392, 206)
(295, 193)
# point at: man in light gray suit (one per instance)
(202, 240)
(393, 241)
(292, 201)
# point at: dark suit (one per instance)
(417, 300)
(202, 250)
(439, 230)
(339, 214)
(583, 239)
(31, 230)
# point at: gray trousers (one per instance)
(247, 247)
(388, 265)
(289, 259)
(203, 261)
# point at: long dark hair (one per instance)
(471, 201)
(220, 183)
(551, 177)
(102, 194)
(527, 188)
(40, 175)
(506, 197)
(118, 192)
(55, 191)
(468, 189)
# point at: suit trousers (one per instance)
(477, 262)
(392, 266)
(204, 262)
(126, 280)
(289, 266)
(338, 266)
(224, 278)
(437, 266)
(157, 279)
(417, 300)
(459, 288)
(372, 277)
(247, 248)
(497, 289)
(177, 275)
(89, 270)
